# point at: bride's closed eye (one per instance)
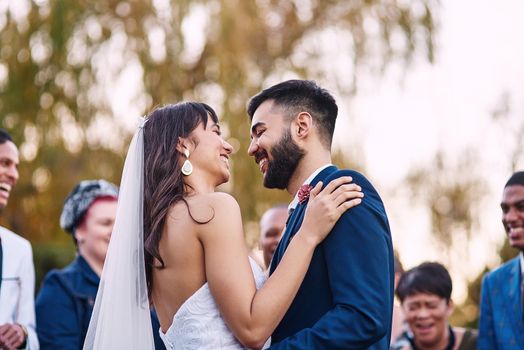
(216, 130)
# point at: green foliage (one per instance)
(453, 200)
(453, 189)
(48, 256)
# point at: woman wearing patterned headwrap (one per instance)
(66, 299)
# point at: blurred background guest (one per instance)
(17, 272)
(66, 299)
(272, 225)
(501, 323)
(425, 296)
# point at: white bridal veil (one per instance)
(121, 318)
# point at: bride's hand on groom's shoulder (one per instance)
(325, 206)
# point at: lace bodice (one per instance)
(198, 324)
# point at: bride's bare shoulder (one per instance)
(207, 207)
(217, 200)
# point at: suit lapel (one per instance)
(293, 225)
(513, 302)
(286, 237)
(295, 220)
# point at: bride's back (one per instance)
(183, 255)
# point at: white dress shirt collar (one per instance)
(294, 202)
(522, 264)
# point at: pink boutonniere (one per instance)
(303, 193)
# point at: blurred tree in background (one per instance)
(511, 127)
(452, 188)
(74, 75)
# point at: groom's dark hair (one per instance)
(295, 96)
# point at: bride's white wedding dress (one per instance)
(199, 325)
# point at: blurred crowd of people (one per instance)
(60, 317)
(424, 292)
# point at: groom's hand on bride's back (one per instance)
(325, 206)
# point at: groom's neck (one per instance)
(311, 161)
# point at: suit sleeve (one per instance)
(486, 336)
(58, 326)
(26, 311)
(155, 324)
(358, 254)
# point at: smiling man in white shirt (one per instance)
(17, 283)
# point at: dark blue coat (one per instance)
(64, 306)
(346, 298)
(501, 325)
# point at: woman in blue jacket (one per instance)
(66, 299)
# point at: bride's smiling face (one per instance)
(210, 153)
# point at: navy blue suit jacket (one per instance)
(346, 298)
(501, 325)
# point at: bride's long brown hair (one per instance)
(163, 179)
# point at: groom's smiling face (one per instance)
(272, 145)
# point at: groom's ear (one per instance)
(303, 124)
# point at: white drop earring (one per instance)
(187, 167)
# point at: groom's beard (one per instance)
(286, 155)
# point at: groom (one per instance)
(346, 298)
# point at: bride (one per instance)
(179, 244)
